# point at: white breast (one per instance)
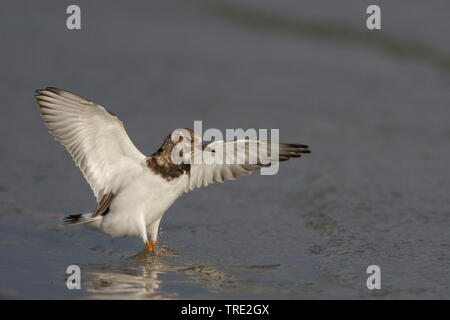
(142, 201)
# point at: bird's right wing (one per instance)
(95, 138)
(243, 152)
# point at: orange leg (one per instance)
(150, 246)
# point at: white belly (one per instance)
(141, 202)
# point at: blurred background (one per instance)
(372, 105)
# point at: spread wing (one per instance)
(95, 138)
(249, 155)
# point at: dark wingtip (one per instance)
(51, 89)
(39, 93)
(297, 145)
(299, 148)
(73, 218)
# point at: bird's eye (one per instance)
(180, 139)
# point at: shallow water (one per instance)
(372, 106)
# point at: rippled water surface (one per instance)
(372, 105)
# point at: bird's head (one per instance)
(179, 145)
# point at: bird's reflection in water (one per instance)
(138, 277)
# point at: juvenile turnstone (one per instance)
(134, 191)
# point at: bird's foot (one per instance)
(150, 246)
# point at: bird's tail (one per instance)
(80, 218)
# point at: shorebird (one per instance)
(133, 191)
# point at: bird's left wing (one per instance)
(95, 138)
(247, 156)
